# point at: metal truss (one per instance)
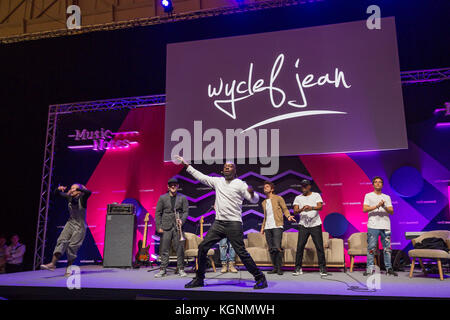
(49, 152)
(110, 104)
(141, 22)
(421, 76)
(44, 201)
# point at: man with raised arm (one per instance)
(378, 206)
(230, 193)
(72, 236)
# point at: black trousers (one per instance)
(168, 237)
(273, 238)
(233, 231)
(303, 235)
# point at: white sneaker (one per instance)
(297, 272)
(181, 273)
(161, 273)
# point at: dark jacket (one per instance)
(165, 217)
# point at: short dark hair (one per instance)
(270, 183)
(377, 177)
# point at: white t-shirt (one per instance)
(378, 218)
(270, 219)
(229, 195)
(310, 218)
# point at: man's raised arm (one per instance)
(203, 178)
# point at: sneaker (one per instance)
(280, 272)
(49, 266)
(273, 271)
(232, 268)
(391, 272)
(297, 272)
(323, 271)
(194, 283)
(161, 273)
(181, 273)
(261, 283)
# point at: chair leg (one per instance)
(196, 264)
(352, 261)
(212, 263)
(412, 267)
(441, 275)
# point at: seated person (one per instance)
(14, 255)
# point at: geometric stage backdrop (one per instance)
(131, 169)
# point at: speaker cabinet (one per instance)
(120, 231)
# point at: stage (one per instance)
(97, 282)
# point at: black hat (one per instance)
(172, 180)
(305, 182)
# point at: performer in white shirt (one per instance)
(230, 193)
(378, 206)
(308, 205)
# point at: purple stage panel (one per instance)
(310, 283)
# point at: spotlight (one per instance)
(167, 5)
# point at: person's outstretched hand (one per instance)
(181, 160)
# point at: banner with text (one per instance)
(325, 89)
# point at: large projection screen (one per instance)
(327, 89)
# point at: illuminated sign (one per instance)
(103, 139)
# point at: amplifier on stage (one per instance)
(120, 230)
(120, 208)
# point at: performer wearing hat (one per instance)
(308, 205)
(169, 223)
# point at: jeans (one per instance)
(316, 235)
(273, 238)
(372, 245)
(224, 246)
(233, 231)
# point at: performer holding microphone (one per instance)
(72, 236)
(170, 215)
(230, 193)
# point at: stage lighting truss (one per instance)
(421, 76)
(408, 77)
(47, 168)
(173, 17)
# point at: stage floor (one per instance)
(110, 283)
